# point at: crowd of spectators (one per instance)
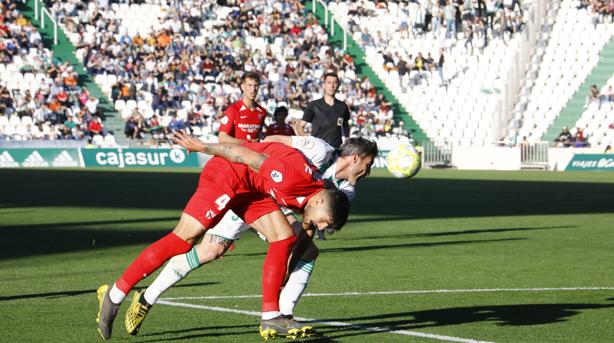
(605, 96)
(186, 69)
(39, 96)
(574, 139)
(470, 23)
(483, 19)
(601, 10)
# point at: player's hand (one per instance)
(188, 142)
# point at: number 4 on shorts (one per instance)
(222, 201)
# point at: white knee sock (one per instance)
(295, 286)
(175, 270)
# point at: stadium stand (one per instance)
(563, 68)
(597, 120)
(456, 103)
(40, 97)
(172, 65)
(186, 63)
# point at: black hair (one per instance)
(358, 145)
(339, 208)
(331, 74)
(281, 110)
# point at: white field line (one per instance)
(432, 291)
(338, 324)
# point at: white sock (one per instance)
(116, 295)
(297, 282)
(175, 270)
(270, 314)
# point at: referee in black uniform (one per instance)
(328, 117)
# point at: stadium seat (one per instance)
(26, 120)
(109, 141)
(120, 105)
(98, 140)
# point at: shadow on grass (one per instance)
(501, 315)
(461, 232)
(386, 198)
(396, 246)
(62, 294)
(201, 332)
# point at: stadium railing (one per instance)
(329, 21)
(534, 156)
(437, 155)
(53, 20)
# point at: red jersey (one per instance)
(283, 130)
(285, 175)
(241, 122)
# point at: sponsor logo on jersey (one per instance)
(7, 161)
(224, 120)
(210, 214)
(35, 160)
(277, 176)
(307, 143)
(249, 127)
(64, 160)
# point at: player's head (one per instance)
(331, 83)
(359, 153)
(327, 210)
(280, 114)
(250, 83)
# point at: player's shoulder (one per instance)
(233, 108)
(260, 109)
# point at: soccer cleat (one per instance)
(279, 326)
(305, 329)
(107, 311)
(136, 313)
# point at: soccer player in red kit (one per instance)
(280, 128)
(245, 178)
(243, 120)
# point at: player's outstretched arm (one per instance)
(231, 152)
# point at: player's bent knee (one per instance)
(189, 229)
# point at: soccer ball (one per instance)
(404, 161)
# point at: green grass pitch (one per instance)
(525, 257)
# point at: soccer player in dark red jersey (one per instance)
(245, 178)
(243, 120)
(280, 127)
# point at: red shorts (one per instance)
(252, 206)
(222, 187)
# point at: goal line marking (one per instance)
(337, 324)
(432, 291)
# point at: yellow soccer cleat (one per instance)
(280, 326)
(136, 313)
(305, 330)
